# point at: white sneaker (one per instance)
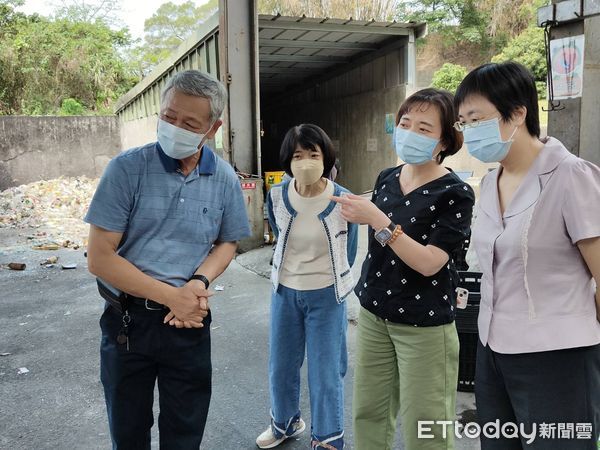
(268, 440)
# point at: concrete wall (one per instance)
(576, 126)
(589, 147)
(252, 189)
(564, 124)
(38, 148)
(135, 133)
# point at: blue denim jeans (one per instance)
(181, 362)
(315, 320)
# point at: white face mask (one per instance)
(307, 171)
(177, 142)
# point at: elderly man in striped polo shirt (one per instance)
(165, 221)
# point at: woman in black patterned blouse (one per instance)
(418, 217)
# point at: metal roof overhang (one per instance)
(295, 52)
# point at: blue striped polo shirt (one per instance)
(169, 222)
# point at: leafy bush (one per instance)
(71, 107)
(528, 49)
(449, 77)
(45, 60)
(542, 89)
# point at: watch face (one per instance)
(383, 236)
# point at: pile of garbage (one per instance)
(54, 209)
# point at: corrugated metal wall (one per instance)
(202, 55)
(385, 72)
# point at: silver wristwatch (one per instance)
(384, 235)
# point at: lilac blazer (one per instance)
(537, 293)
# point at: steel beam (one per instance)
(289, 43)
(333, 27)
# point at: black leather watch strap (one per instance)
(201, 278)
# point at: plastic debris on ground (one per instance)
(49, 261)
(54, 207)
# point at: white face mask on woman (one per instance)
(177, 142)
(307, 171)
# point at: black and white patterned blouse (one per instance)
(437, 213)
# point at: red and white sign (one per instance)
(567, 66)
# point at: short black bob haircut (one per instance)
(308, 137)
(507, 86)
(443, 101)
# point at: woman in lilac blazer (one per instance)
(537, 241)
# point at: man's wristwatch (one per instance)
(201, 278)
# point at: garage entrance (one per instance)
(346, 76)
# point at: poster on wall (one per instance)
(567, 66)
(371, 145)
(390, 124)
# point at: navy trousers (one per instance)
(178, 358)
(556, 391)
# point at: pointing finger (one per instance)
(342, 200)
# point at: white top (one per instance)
(307, 263)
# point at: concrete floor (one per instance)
(49, 324)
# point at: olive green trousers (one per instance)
(408, 370)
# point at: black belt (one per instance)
(150, 305)
(117, 300)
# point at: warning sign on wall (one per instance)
(371, 145)
(567, 66)
(248, 185)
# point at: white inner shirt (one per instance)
(307, 263)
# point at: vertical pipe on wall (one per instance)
(411, 64)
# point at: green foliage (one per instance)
(469, 32)
(457, 20)
(9, 18)
(381, 10)
(448, 77)
(438, 14)
(542, 89)
(168, 27)
(71, 107)
(528, 49)
(45, 61)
